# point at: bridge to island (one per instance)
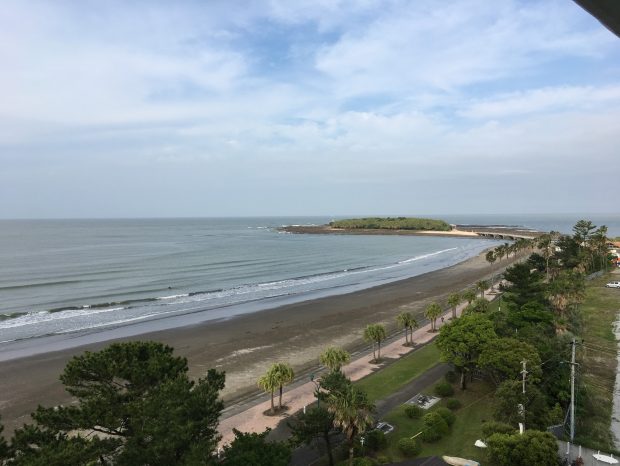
(459, 231)
(500, 233)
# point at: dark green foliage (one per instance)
(538, 262)
(443, 389)
(364, 462)
(453, 404)
(332, 383)
(447, 415)
(409, 447)
(525, 285)
(33, 446)
(479, 305)
(462, 340)
(414, 411)
(509, 395)
(4, 447)
(501, 359)
(531, 448)
(389, 223)
(531, 314)
(252, 448)
(491, 428)
(316, 423)
(375, 440)
(451, 377)
(139, 396)
(435, 427)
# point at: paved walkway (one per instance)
(253, 419)
(571, 452)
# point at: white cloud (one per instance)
(326, 94)
(549, 99)
(446, 45)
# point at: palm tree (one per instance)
(490, 257)
(278, 375)
(545, 243)
(500, 252)
(453, 301)
(334, 358)
(376, 334)
(406, 321)
(481, 286)
(513, 248)
(432, 312)
(469, 295)
(268, 383)
(352, 413)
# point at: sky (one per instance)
(306, 107)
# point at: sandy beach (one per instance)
(245, 346)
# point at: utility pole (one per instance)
(524, 374)
(572, 391)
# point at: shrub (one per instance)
(382, 459)
(447, 415)
(444, 389)
(408, 446)
(431, 434)
(453, 404)
(375, 440)
(451, 377)
(435, 427)
(492, 427)
(414, 411)
(364, 462)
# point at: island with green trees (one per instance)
(382, 226)
(392, 223)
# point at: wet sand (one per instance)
(245, 346)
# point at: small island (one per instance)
(392, 223)
(412, 226)
(382, 226)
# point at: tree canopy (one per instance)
(334, 358)
(462, 341)
(139, 397)
(407, 322)
(432, 312)
(278, 375)
(375, 333)
(501, 358)
(533, 447)
(392, 223)
(254, 449)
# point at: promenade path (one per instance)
(253, 419)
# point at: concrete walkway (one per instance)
(571, 452)
(253, 419)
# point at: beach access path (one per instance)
(253, 419)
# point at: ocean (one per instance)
(64, 278)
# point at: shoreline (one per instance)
(244, 346)
(480, 232)
(327, 230)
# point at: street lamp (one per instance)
(316, 392)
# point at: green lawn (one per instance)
(598, 364)
(391, 378)
(476, 409)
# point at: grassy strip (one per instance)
(467, 428)
(390, 379)
(598, 364)
(390, 223)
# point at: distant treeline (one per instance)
(392, 223)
